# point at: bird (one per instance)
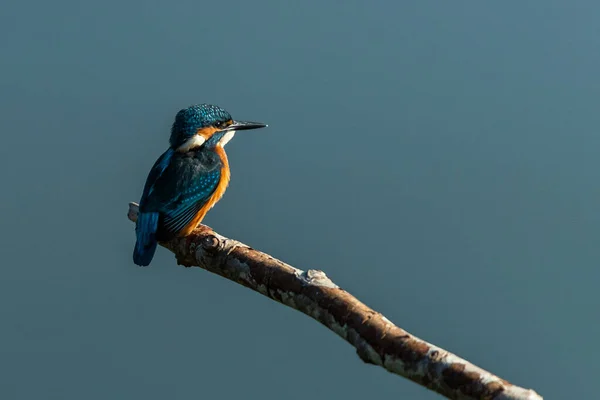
(188, 179)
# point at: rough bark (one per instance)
(377, 340)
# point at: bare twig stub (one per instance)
(377, 340)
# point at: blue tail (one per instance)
(145, 230)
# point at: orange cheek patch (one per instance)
(206, 132)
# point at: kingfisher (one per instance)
(188, 179)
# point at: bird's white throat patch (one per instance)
(194, 141)
(226, 138)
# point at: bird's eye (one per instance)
(220, 125)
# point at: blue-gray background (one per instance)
(437, 159)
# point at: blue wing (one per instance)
(155, 173)
(176, 189)
(147, 223)
(195, 190)
(179, 192)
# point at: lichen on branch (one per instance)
(376, 339)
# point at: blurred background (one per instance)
(436, 159)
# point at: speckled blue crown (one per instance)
(189, 120)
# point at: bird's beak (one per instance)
(242, 125)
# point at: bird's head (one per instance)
(205, 125)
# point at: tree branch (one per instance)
(377, 340)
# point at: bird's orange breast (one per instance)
(215, 197)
